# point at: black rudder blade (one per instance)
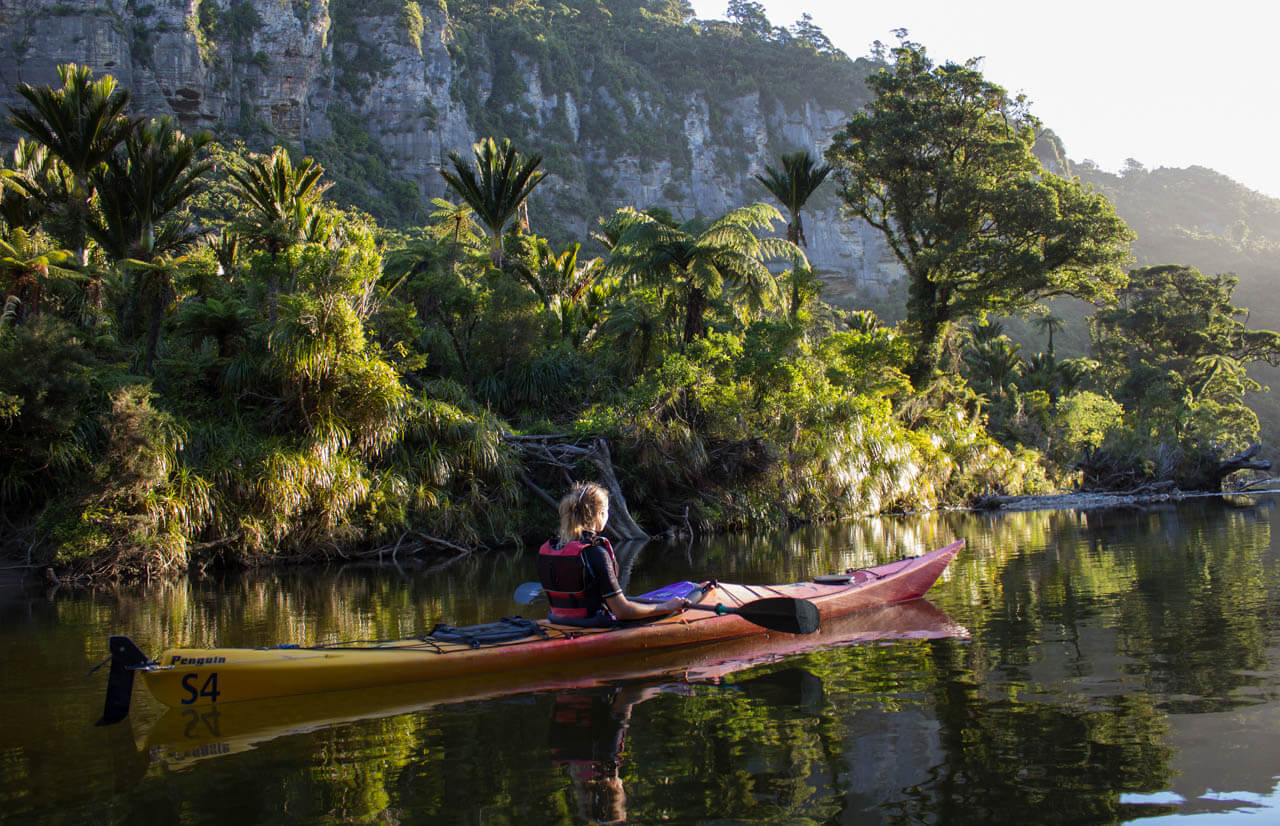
(126, 658)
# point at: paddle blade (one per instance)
(791, 616)
(528, 593)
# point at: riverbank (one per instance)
(1150, 495)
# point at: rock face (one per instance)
(293, 70)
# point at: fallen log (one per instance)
(563, 453)
(1209, 476)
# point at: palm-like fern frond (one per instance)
(142, 192)
(698, 259)
(496, 186)
(792, 185)
(281, 197)
(34, 181)
(81, 123)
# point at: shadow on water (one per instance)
(1119, 664)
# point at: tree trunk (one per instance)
(1211, 478)
(153, 333)
(928, 353)
(695, 310)
(926, 314)
(620, 519)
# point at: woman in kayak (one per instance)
(580, 573)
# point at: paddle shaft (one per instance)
(787, 614)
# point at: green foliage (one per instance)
(750, 16)
(235, 25)
(411, 19)
(32, 271)
(762, 427)
(941, 163)
(283, 198)
(142, 191)
(1174, 349)
(47, 377)
(80, 124)
(698, 261)
(317, 384)
(1081, 423)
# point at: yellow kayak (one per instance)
(182, 736)
(196, 677)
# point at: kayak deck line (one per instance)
(201, 677)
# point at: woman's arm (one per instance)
(601, 563)
(625, 609)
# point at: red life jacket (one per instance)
(566, 580)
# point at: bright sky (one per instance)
(1169, 84)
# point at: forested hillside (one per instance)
(1201, 218)
(629, 102)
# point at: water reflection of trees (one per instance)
(306, 605)
(1183, 594)
(1064, 758)
(1087, 630)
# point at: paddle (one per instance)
(786, 614)
(528, 593)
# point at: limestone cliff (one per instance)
(674, 116)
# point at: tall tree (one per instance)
(1049, 323)
(281, 197)
(455, 223)
(496, 187)
(81, 124)
(941, 163)
(806, 31)
(698, 260)
(792, 185)
(1173, 351)
(283, 200)
(142, 192)
(750, 16)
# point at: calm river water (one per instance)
(1071, 667)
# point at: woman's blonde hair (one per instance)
(580, 508)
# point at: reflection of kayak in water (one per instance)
(198, 678)
(183, 735)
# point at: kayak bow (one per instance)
(194, 677)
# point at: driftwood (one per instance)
(563, 453)
(1157, 492)
(1268, 484)
(1207, 483)
(1244, 460)
(1103, 473)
